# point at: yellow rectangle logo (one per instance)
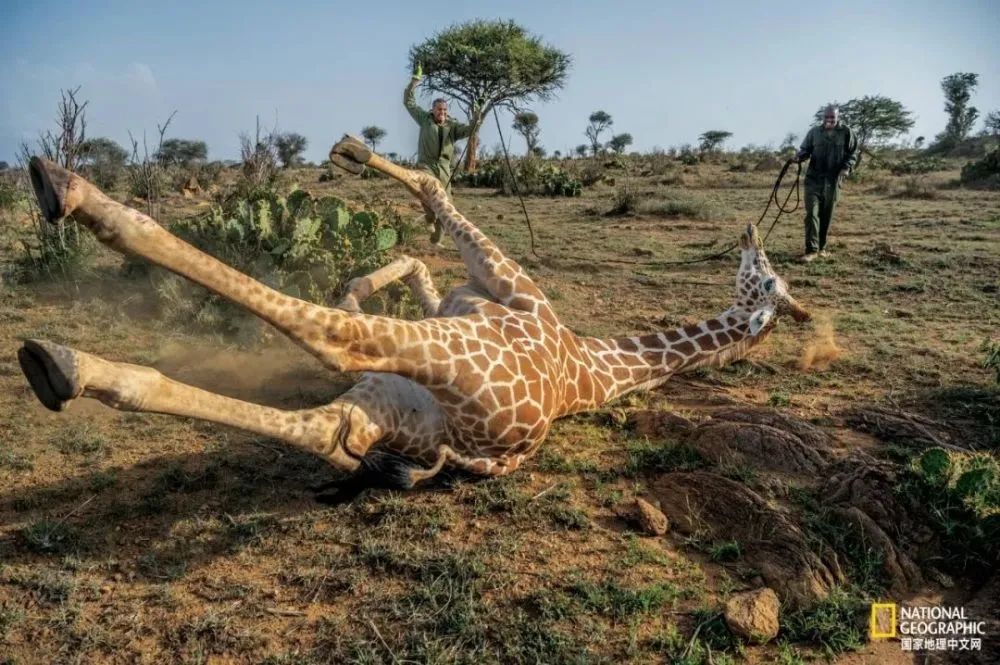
(883, 622)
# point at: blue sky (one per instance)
(665, 71)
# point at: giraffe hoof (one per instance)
(51, 184)
(350, 154)
(51, 371)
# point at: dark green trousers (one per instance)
(821, 199)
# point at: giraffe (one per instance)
(474, 385)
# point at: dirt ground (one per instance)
(139, 538)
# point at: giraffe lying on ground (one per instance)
(475, 385)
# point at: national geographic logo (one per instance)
(926, 628)
(883, 621)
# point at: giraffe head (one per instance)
(759, 291)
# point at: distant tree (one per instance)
(526, 124)
(393, 157)
(875, 119)
(539, 151)
(619, 142)
(181, 151)
(991, 124)
(918, 143)
(104, 160)
(483, 64)
(581, 150)
(790, 142)
(555, 153)
(958, 89)
(713, 139)
(599, 121)
(290, 147)
(4, 166)
(373, 135)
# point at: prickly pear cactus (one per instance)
(302, 245)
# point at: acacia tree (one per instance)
(713, 139)
(373, 135)
(181, 151)
(526, 124)
(599, 121)
(958, 89)
(104, 160)
(619, 142)
(581, 150)
(875, 120)
(290, 147)
(487, 64)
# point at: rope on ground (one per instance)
(783, 209)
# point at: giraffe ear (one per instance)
(760, 319)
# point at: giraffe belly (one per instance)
(414, 422)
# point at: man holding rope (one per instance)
(436, 145)
(832, 150)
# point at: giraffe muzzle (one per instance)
(796, 311)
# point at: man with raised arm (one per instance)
(436, 145)
(832, 150)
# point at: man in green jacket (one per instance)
(436, 145)
(832, 150)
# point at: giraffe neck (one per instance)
(622, 364)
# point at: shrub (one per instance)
(917, 188)
(533, 175)
(917, 166)
(301, 245)
(58, 252)
(11, 196)
(675, 206)
(984, 172)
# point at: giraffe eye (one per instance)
(768, 285)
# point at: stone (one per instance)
(650, 518)
(753, 615)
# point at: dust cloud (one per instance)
(821, 351)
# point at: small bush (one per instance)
(917, 188)
(676, 206)
(11, 196)
(533, 176)
(625, 201)
(60, 252)
(984, 172)
(917, 166)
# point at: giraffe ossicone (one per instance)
(474, 385)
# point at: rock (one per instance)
(753, 615)
(650, 518)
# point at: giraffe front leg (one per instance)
(408, 269)
(341, 432)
